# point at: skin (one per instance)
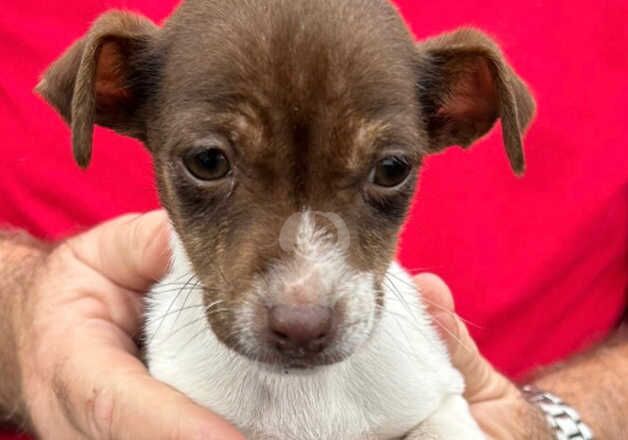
(592, 382)
(70, 366)
(73, 313)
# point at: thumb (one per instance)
(463, 350)
(125, 403)
(132, 250)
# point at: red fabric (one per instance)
(538, 265)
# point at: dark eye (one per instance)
(390, 172)
(207, 164)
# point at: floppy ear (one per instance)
(103, 79)
(464, 86)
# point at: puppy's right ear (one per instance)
(104, 78)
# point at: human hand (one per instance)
(81, 377)
(496, 403)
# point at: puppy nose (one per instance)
(303, 328)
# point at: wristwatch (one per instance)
(563, 419)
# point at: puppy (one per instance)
(286, 137)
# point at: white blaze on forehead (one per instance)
(301, 233)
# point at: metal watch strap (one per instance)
(564, 420)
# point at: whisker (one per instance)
(178, 310)
(431, 303)
(193, 322)
(452, 334)
(196, 335)
(187, 297)
(164, 291)
(437, 322)
(191, 277)
(408, 319)
(407, 347)
(417, 269)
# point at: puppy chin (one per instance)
(278, 362)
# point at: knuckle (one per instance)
(176, 432)
(67, 248)
(92, 415)
(189, 428)
(60, 389)
(101, 409)
(179, 434)
(64, 256)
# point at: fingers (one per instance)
(463, 350)
(125, 403)
(435, 291)
(132, 251)
(171, 415)
(99, 389)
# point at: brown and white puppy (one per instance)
(286, 136)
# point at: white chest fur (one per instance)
(398, 379)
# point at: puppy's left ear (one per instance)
(464, 86)
(104, 78)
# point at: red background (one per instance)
(538, 265)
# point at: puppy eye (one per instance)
(390, 172)
(207, 164)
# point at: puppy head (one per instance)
(286, 138)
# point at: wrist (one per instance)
(21, 256)
(511, 417)
(530, 420)
(537, 418)
(564, 421)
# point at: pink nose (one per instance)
(300, 328)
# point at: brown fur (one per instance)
(303, 97)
